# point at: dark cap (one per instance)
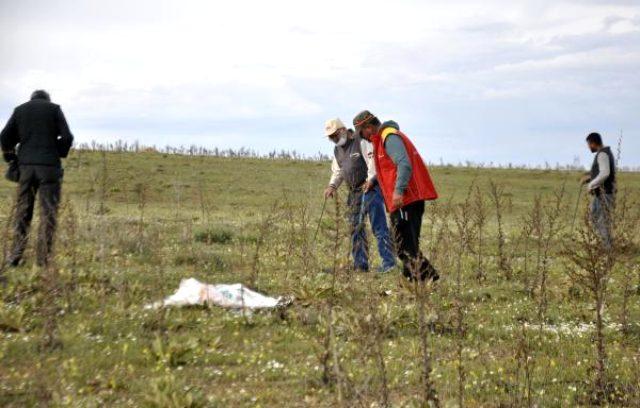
(362, 119)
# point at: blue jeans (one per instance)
(374, 208)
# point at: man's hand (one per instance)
(397, 201)
(368, 186)
(9, 156)
(585, 179)
(329, 192)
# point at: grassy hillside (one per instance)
(510, 324)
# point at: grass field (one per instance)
(509, 324)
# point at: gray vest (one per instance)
(609, 185)
(353, 167)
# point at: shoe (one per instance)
(431, 275)
(382, 270)
(13, 263)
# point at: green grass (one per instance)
(133, 225)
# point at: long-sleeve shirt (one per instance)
(605, 171)
(366, 149)
(397, 151)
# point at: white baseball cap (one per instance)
(332, 126)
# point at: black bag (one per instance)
(13, 171)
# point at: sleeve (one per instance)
(9, 139)
(603, 164)
(366, 148)
(398, 152)
(65, 140)
(336, 175)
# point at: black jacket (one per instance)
(41, 131)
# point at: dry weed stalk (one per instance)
(591, 268)
(625, 232)
(525, 363)
(421, 292)
(499, 201)
(373, 329)
(480, 213)
(552, 226)
(461, 221)
(264, 229)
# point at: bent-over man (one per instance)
(405, 184)
(353, 164)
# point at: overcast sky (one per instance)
(487, 81)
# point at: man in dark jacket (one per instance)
(38, 131)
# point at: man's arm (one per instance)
(66, 138)
(605, 171)
(366, 148)
(9, 139)
(398, 153)
(336, 175)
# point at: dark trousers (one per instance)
(406, 224)
(44, 181)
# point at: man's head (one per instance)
(366, 124)
(336, 131)
(594, 141)
(41, 94)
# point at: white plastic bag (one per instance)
(234, 296)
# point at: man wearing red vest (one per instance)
(405, 184)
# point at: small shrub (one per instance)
(172, 353)
(214, 236)
(12, 319)
(168, 392)
(185, 259)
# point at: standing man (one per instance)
(405, 184)
(39, 132)
(353, 164)
(601, 184)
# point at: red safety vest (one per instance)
(420, 186)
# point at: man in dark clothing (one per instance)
(39, 132)
(405, 184)
(601, 184)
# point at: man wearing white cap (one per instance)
(353, 165)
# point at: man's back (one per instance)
(36, 125)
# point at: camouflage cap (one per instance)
(362, 119)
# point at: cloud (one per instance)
(469, 80)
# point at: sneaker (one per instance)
(386, 269)
(432, 275)
(358, 268)
(13, 263)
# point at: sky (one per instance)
(500, 82)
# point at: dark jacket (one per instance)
(41, 131)
(609, 184)
(353, 167)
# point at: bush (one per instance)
(214, 236)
